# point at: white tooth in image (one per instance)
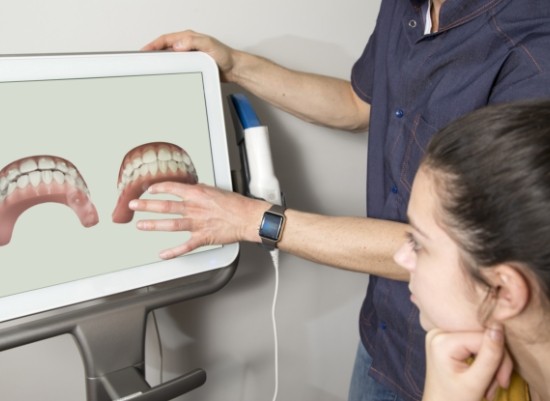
(135, 175)
(137, 162)
(177, 156)
(62, 166)
(3, 183)
(173, 166)
(11, 187)
(182, 167)
(47, 176)
(153, 168)
(70, 179)
(13, 174)
(72, 172)
(163, 166)
(124, 180)
(35, 178)
(149, 156)
(58, 176)
(28, 165)
(80, 184)
(165, 154)
(187, 159)
(22, 181)
(128, 169)
(143, 170)
(46, 163)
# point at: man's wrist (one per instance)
(272, 226)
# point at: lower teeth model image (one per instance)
(39, 179)
(149, 164)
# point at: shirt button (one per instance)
(399, 113)
(412, 23)
(394, 189)
(383, 325)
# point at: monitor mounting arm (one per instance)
(110, 336)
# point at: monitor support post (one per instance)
(110, 334)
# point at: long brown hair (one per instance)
(493, 179)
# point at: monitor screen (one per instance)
(82, 134)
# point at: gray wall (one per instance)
(229, 333)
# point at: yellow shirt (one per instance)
(518, 390)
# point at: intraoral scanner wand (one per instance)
(253, 140)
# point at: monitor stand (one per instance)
(110, 334)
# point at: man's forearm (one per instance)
(352, 243)
(314, 98)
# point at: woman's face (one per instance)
(440, 287)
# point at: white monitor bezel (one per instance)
(95, 65)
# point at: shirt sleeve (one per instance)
(534, 87)
(362, 73)
(525, 75)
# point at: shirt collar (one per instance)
(427, 18)
(458, 12)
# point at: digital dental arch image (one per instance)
(149, 164)
(38, 179)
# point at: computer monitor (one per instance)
(82, 134)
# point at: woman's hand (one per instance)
(452, 375)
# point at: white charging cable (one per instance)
(275, 258)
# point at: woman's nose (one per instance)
(405, 257)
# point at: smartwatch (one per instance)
(271, 227)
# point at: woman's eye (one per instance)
(415, 246)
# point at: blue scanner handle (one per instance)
(245, 112)
(253, 141)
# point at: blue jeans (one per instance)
(363, 387)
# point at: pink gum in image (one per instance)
(146, 165)
(34, 180)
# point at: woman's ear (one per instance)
(512, 291)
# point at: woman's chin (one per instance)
(426, 324)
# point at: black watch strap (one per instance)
(271, 226)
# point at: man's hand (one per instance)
(211, 215)
(188, 40)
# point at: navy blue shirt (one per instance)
(486, 51)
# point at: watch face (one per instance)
(271, 226)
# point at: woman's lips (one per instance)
(38, 179)
(412, 297)
(146, 165)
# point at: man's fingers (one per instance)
(166, 41)
(180, 41)
(163, 225)
(179, 250)
(157, 206)
(160, 43)
(178, 189)
(173, 252)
